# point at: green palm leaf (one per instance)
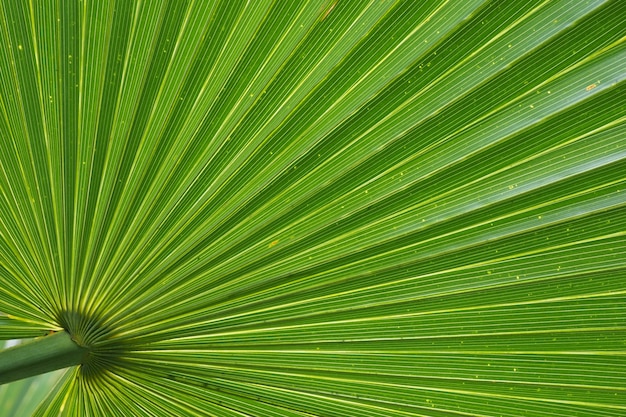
(333, 208)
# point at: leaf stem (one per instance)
(39, 356)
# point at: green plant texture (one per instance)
(338, 208)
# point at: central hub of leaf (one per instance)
(92, 333)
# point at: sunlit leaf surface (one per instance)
(319, 208)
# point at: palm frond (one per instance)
(333, 208)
